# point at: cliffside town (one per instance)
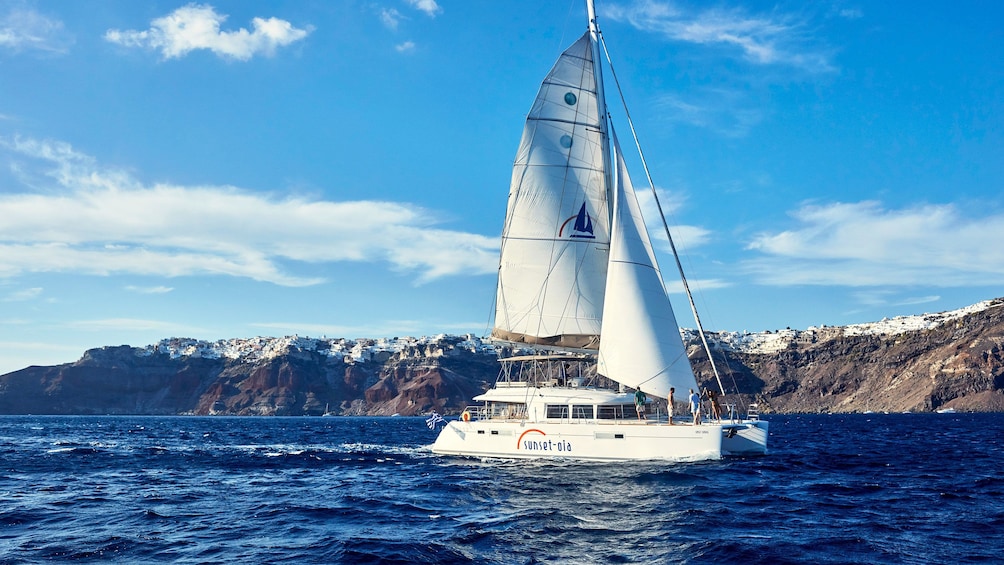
(915, 363)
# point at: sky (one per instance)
(340, 168)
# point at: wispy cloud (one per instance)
(197, 26)
(24, 29)
(864, 244)
(720, 110)
(23, 295)
(770, 39)
(80, 217)
(851, 13)
(390, 18)
(133, 325)
(430, 7)
(405, 47)
(684, 236)
(149, 289)
(675, 286)
(886, 297)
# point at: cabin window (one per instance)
(508, 410)
(615, 411)
(557, 410)
(582, 411)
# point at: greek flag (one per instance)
(433, 420)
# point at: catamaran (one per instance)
(579, 287)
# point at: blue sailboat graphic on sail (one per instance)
(583, 226)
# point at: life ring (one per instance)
(465, 416)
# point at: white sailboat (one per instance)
(579, 285)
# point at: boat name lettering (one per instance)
(547, 445)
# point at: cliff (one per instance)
(957, 363)
(920, 363)
(260, 377)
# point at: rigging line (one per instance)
(662, 215)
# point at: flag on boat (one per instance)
(433, 420)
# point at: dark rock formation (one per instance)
(957, 364)
(126, 380)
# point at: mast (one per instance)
(601, 101)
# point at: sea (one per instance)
(865, 488)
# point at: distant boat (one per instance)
(580, 287)
(326, 412)
(946, 411)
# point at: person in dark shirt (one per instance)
(639, 403)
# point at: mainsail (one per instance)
(555, 243)
(641, 345)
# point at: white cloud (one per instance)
(196, 26)
(23, 295)
(675, 286)
(390, 18)
(405, 47)
(149, 289)
(864, 244)
(133, 325)
(430, 7)
(23, 29)
(684, 236)
(773, 39)
(93, 220)
(885, 297)
(723, 111)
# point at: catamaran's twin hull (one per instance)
(748, 437)
(584, 441)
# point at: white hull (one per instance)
(583, 441)
(748, 437)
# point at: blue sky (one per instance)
(340, 168)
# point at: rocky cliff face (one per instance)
(298, 380)
(953, 361)
(956, 364)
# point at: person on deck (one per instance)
(695, 406)
(672, 392)
(716, 408)
(639, 403)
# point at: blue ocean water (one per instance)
(897, 488)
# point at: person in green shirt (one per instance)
(639, 403)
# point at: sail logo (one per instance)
(533, 444)
(583, 226)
